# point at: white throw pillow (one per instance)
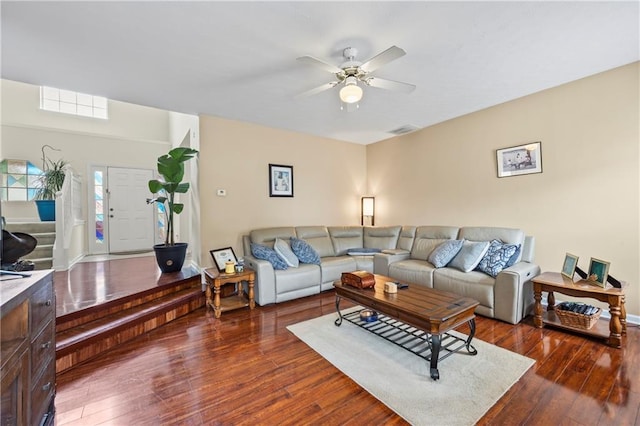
(469, 255)
(285, 253)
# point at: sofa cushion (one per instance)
(413, 271)
(474, 284)
(344, 238)
(267, 253)
(429, 237)
(442, 255)
(488, 233)
(304, 251)
(469, 255)
(496, 257)
(285, 253)
(318, 238)
(333, 267)
(381, 237)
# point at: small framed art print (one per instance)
(569, 265)
(519, 160)
(598, 272)
(280, 180)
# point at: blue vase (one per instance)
(46, 210)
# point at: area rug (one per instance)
(468, 385)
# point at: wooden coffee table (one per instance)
(432, 311)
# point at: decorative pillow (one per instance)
(285, 253)
(362, 251)
(304, 251)
(469, 255)
(269, 254)
(443, 253)
(496, 257)
(514, 258)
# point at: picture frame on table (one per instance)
(569, 265)
(280, 180)
(222, 256)
(598, 272)
(519, 160)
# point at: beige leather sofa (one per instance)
(403, 255)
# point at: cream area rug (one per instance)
(468, 385)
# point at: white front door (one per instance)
(131, 219)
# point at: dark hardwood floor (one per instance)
(247, 368)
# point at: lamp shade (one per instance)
(368, 209)
(351, 92)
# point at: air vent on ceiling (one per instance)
(407, 128)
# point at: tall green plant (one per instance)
(51, 180)
(171, 169)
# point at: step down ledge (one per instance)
(107, 326)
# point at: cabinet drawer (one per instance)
(43, 349)
(42, 392)
(43, 306)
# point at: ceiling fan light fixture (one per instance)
(351, 93)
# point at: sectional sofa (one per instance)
(400, 252)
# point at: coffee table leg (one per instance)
(472, 332)
(435, 353)
(338, 321)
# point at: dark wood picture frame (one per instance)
(280, 180)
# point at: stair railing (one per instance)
(68, 217)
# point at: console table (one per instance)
(215, 280)
(612, 330)
(27, 343)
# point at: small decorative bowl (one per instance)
(367, 315)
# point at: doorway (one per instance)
(120, 220)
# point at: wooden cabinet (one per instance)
(27, 344)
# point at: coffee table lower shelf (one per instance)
(410, 338)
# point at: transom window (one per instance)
(68, 102)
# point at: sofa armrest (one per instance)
(513, 292)
(381, 261)
(265, 284)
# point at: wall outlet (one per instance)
(221, 193)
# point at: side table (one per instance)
(215, 280)
(612, 330)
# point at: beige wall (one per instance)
(585, 202)
(329, 179)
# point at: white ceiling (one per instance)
(238, 59)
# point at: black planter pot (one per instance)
(170, 258)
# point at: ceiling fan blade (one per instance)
(383, 83)
(391, 54)
(317, 90)
(318, 63)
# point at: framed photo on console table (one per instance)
(569, 265)
(520, 160)
(280, 180)
(598, 272)
(222, 256)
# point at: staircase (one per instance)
(45, 233)
(87, 333)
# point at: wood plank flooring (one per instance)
(247, 368)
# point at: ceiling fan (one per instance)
(352, 75)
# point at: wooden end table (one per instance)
(612, 330)
(215, 280)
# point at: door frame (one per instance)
(93, 246)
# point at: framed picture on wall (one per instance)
(519, 160)
(280, 180)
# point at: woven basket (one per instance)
(580, 321)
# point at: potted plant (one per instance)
(50, 183)
(170, 255)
